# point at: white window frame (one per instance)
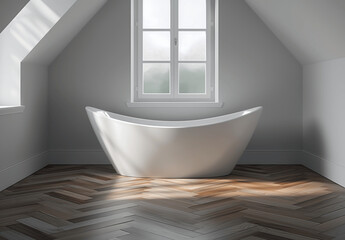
(210, 97)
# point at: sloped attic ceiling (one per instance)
(313, 30)
(38, 33)
(11, 9)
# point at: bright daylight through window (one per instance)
(174, 51)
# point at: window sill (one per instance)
(4, 110)
(175, 104)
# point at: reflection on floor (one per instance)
(92, 202)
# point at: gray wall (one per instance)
(324, 118)
(255, 69)
(23, 136)
(8, 10)
(313, 30)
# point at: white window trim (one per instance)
(5, 110)
(175, 104)
(173, 99)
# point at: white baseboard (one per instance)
(97, 156)
(77, 156)
(21, 170)
(17, 172)
(271, 157)
(329, 169)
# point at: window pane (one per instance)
(192, 14)
(156, 77)
(156, 13)
(192, 46)
(192, 77)
(156, 46)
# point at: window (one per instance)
(174, 51)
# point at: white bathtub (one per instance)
(174, 149)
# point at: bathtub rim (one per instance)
(175, 123)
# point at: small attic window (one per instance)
(174, 51)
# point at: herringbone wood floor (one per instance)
(92, 202)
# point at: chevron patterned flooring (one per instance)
(93, 202)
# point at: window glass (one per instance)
(192, 14)
(156, 14)
(156, 77)
(156, 46)
(192, 46)
(192, 77)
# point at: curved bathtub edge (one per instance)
(174, 124)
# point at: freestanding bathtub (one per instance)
(174, 149)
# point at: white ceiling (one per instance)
(313, 30)
(64, 31)
(38, 33)
(8, 10)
